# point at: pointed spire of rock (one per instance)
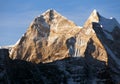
(94, 17)
(47, 30)
(94, 10)
(95, 13)
(50, 12)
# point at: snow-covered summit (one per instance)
(94, 17)
(95, 13)
(50, 11)
(51, 17)
(106, 24)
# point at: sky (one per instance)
(16, 15)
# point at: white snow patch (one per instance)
(19, 39)
(80, 27)
(111, 17)
(108, 24)
(6, 47)
(94, 12)
(94, 16)
(101, 26)
(18, 42)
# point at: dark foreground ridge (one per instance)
(72, 70)
(54, 50)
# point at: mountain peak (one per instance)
(53, 38)
(52, 17)
(50, 12)
(46, 18)
(95, 11)
(94, 17)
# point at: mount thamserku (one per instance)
(54, 50)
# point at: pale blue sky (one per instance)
(16, 15)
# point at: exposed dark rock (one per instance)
(70, 70)
(56, 51)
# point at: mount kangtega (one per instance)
(54, 50)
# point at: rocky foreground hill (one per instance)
(54, 50)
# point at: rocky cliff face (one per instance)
(51, 37)
(45, 39)
(107, 32)
(88, 55)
